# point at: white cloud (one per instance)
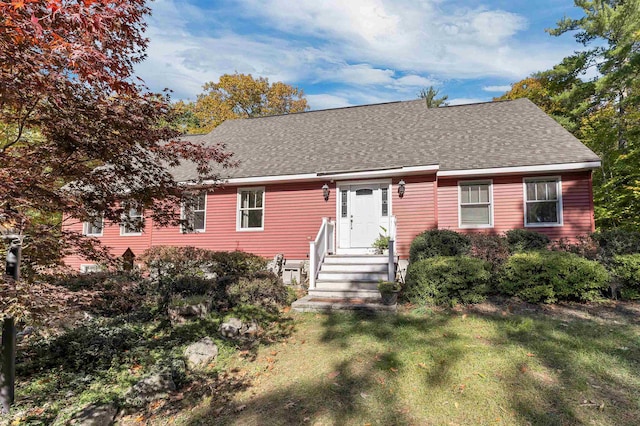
(465, 101)
(500, 89)
(325, 101)
(371, 50)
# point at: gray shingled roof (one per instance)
(397, 134)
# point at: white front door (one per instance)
(365, 217)
(363, 212)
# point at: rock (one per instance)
(95, 415)
(151, 388)
(231, 328)
(200, 354)
(250, 329)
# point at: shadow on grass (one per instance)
(590, 370)
(343, 396)
(338, 399)
(122, 350)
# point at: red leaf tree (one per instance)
(79, 134)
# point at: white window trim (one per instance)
(239, 227)
(87, 268)
(132, 234)
(475, 182)
(86, 226)
(195, 231)
(558, 180)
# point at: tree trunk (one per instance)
(8, 371)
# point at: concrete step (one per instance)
(326, 304)
(355, 293)
(355, 258)
(346, 285)
(354, 267)
(351, 276)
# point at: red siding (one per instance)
(577, 205)
(293, 215)
(415, 212)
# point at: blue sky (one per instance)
(354, 52)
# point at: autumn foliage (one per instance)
(238, 96)
(79, 133)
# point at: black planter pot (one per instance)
(389, 298)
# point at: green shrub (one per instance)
(236, 264)
(583, 246)
(447, 280)
(626, 275)
(490, 248)
(617, 242)
(264, 289)
(438, 242)
(525, 240)
(548, 276)
(112, 293)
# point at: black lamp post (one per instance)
(401, 188)
(325, 192)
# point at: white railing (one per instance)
(324, 243)
(392, 249)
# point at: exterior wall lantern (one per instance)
(325, 192)
(401, 188)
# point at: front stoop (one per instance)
(329, 304)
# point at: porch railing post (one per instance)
(325, 226)
(392, 265)
(312, 265)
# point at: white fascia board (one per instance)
(563, 167)
(307, 177)
(402, 171)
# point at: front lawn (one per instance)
(493, 363)
(478, 366)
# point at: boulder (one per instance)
(151, 388)
(95, 415)
(199, 354)
(231, 328)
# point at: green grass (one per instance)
(443, 368)
(420, 367)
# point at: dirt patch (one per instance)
(606, 311)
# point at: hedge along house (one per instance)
(321, 186)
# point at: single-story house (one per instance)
(329, 182)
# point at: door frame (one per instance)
(340, 185)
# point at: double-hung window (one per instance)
(194, 212)
(542, 202)
(476, 210)
(250, 209)
(132, 221)
(93, 228)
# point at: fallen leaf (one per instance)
(395, 370)
(364, 395)
(333, 374)
(274, 353)
(422, 365)
(530, 354)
